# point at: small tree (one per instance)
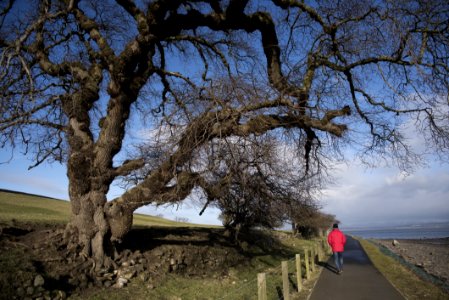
(310, 222)
(260, 183)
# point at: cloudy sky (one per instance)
(385, 196)
(359, 197)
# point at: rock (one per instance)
(60, 295)
(125, 264)
(30, 290)
(20, 291)
(98, 283)
(73, 281)
(150, 286)
(47, 295)
(83, 285)
(121, 282)
(130, 274)
(107, 283)
(39, 281)
(143, 261)
(139, 268)
(395, 243)
(144, 277)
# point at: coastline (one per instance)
(430, 255)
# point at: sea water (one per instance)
(401, 232)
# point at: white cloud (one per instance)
(184, 210)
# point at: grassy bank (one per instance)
(404, 280)
(19, 256)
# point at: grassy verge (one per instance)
(409, 285)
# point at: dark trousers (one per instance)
(338, 259)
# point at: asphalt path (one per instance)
(359, 280)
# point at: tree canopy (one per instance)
(79, 79)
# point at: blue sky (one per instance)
(359, 196)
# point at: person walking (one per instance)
(337, 241)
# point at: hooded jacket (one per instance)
(336, 240)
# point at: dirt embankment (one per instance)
(430, 255)
(34, 262)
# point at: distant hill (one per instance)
(36, 208)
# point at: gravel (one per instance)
(430, 255)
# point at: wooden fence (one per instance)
(308, 260)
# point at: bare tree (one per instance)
(76, 73)
(257, 186)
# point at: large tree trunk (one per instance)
(95, 223)
(94, 226)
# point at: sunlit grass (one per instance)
(28, 208)
(23, 207)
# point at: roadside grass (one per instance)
(404, 280)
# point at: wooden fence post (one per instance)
(306, 261)
(312, 259)
(285, 283)
(320, 252)
(262, 286)
(298, 272)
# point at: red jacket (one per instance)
(336, 240)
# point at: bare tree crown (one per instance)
(75, 74)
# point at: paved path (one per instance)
(359, 280)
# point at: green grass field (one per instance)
(32, 208)
(25, 207)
